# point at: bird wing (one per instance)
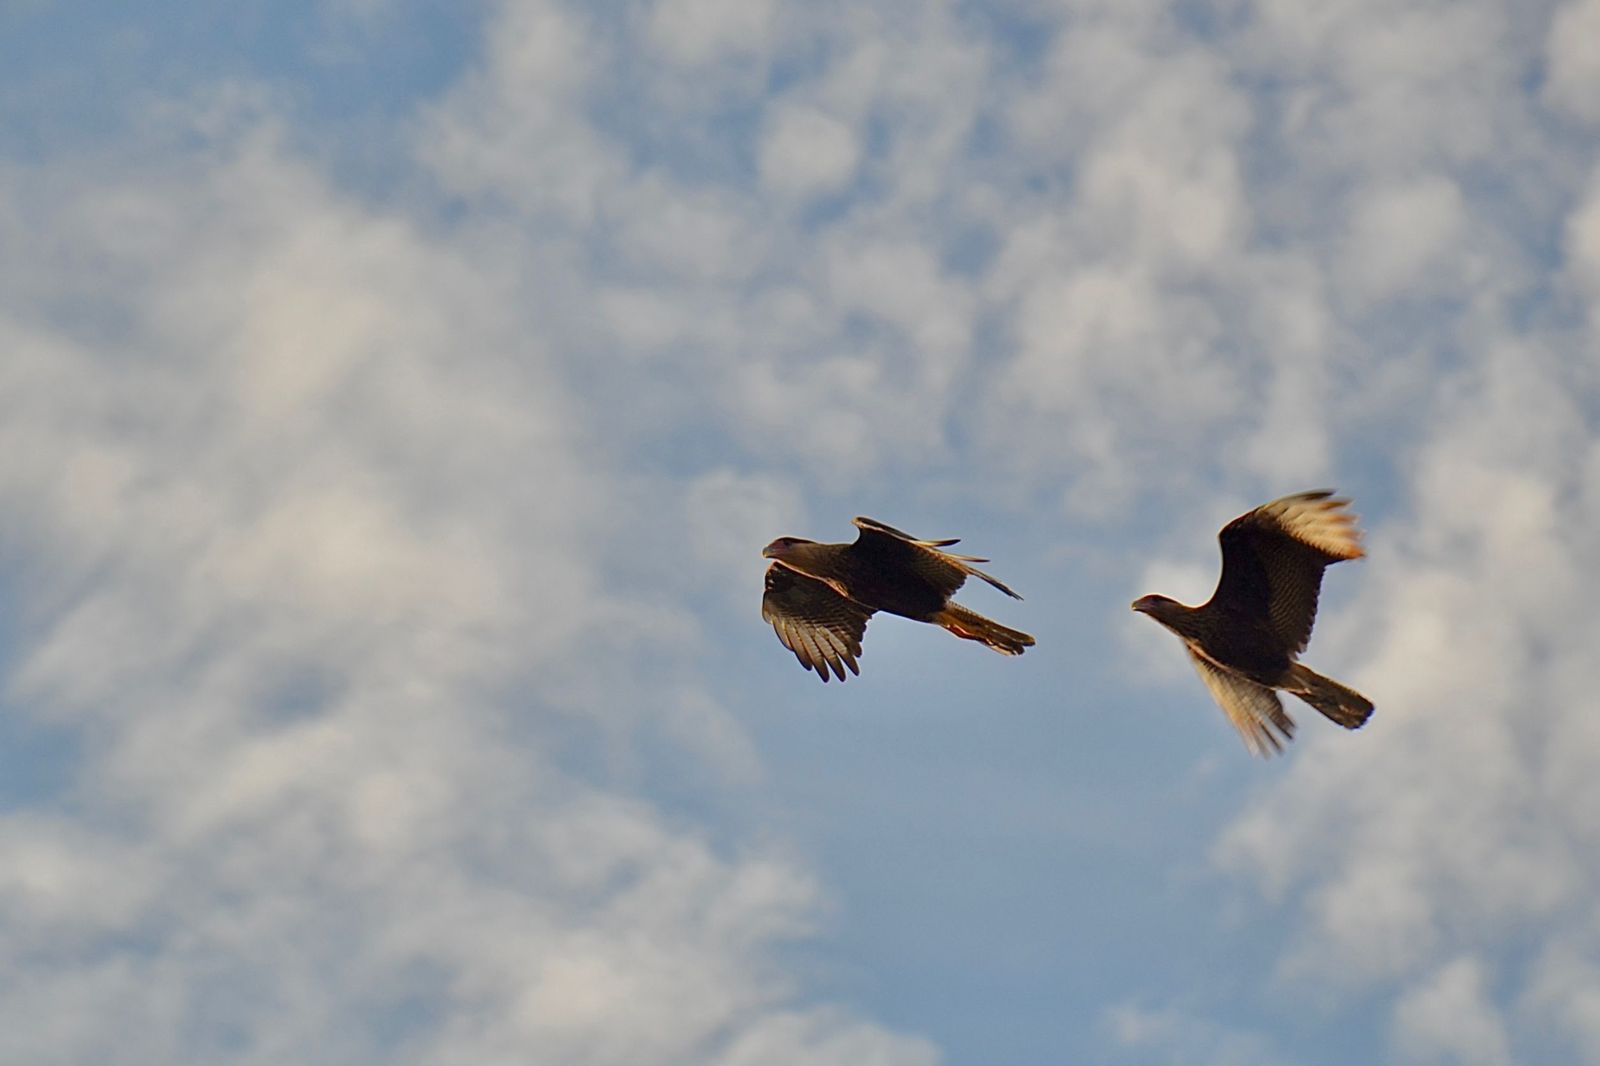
(821, 627)
(945, 571)
(1255, 710)
(1273, 558)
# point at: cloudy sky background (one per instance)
(395, 397)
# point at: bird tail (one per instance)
(1339, 704)
(970, 625)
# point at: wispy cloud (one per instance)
(296, 533)
(388, 554)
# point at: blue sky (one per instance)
(397, 397)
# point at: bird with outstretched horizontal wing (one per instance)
(819, 596)
(1244, 640)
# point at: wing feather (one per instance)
(1273, 558)
(946, 571)
(1255, 710)
(821, 627)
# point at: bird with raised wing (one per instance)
(819, 596)
(1245, 640)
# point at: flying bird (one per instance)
(1244, 640)
(819, 596)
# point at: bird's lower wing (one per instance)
(821, 627)
(1255, 710)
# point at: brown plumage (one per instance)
(1245, 639)
(819, 596)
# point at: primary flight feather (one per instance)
(1244, 641)
(819, 596)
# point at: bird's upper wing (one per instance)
(821, 627)
(1255, 710)
(945, 571)
(1273, 558)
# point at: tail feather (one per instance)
(1344, 706)
(970, 625)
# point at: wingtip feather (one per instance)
(1319, 519)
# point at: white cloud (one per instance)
(1177, 1037)
(1144, 312)
(67, 883)
(1572, 76)
(300, 533)
(1164, 178)
(1583, 249)
(1381, 90)
(1451, 1018)
(901, 282)
(696, 32)
(820, 1038)
(1438, 827)
(1564, 995)
(730, 515)
(672, 232)
(807, 152)
(342, 523)
(1292, 446)
(1401, 234)
(514, 129)
(1109, 366)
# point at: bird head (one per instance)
(1155, 606)
(780, 547)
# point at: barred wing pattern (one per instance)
(821, 627)
(1273, 558)
(1255, 710)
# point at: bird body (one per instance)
(1245, 640)
(819, 596)
(871, 577)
